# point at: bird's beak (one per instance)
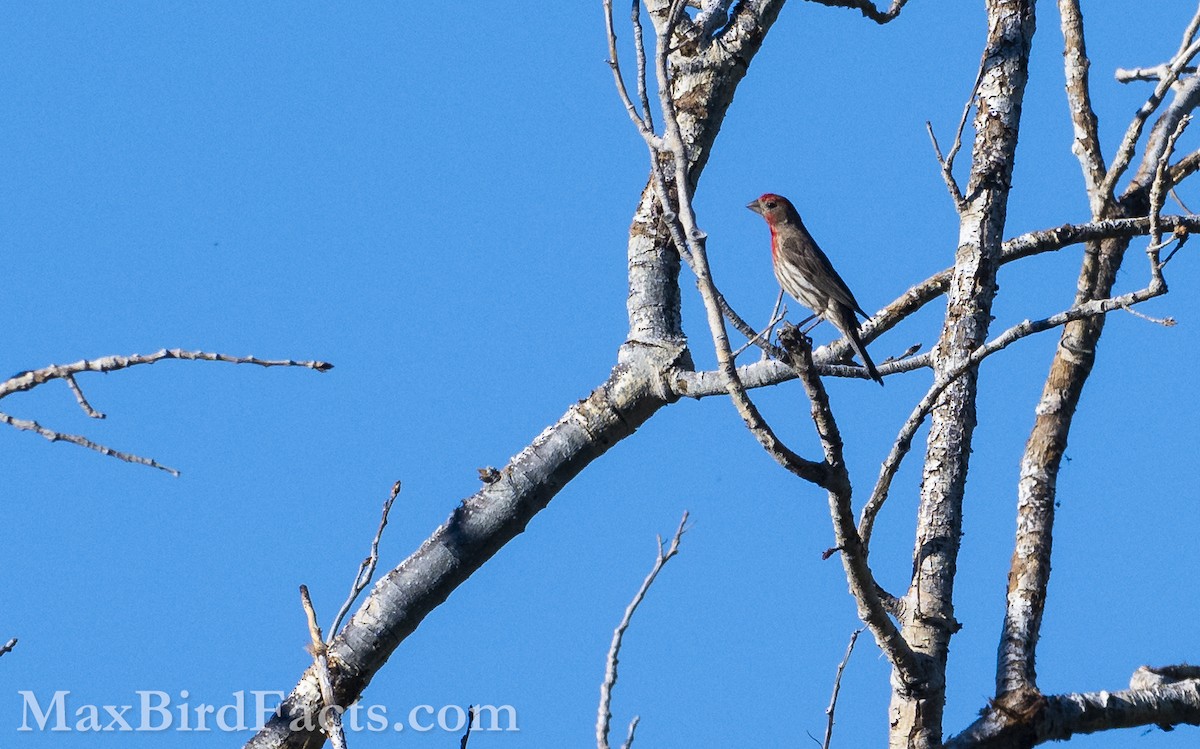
(754, 206)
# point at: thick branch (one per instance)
(651, 358)
(1029, 570)
(1060, 717)
(928, 619)
(474, 532)
(709, 79)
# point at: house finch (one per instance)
(805, 273)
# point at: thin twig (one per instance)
(366, 568)
(1179, 200)
(470, 724)
(837, 686)
(1181, 238)
(75, 439)
(778, 312)
(947, 174)
(28, 380)
(629, 733)
(635, 17)
(604, 712)
(642, 123)
(8, 646)
(80, 399)
(1134, 132)
(1166, 322)
(947, 163)
(330, 716)
(1189, 35)
(25, 381)
(962, 120)
(1158, 190)
(777, 315)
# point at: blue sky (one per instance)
(439, 205)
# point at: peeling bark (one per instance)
(928, 622)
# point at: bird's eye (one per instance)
(772, 204)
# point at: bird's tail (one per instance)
(860, 349)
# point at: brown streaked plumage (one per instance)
(805, 273)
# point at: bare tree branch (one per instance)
(1159, 189)
(631, 732)
(1024, 329)
(1029, 570)
(1086, 145)
(946, 169)
(1156, 73)
(702, 384)
(1059, 717)
(1189, 34)
(366, 568)
(25, 381)
(1148, 677)
(8, 646)
(947, 163)
(331, 712)
(868, 8)
(837, 687)
(862, 583)
(640, 384)
(81, 399)
(915, 713)
(75, 439)
(1133, 133)
(643, 120)
(604, 711)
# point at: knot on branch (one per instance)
(1016, 712)
(797, 345)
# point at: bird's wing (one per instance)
(816, 266)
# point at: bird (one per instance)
(806, 274)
